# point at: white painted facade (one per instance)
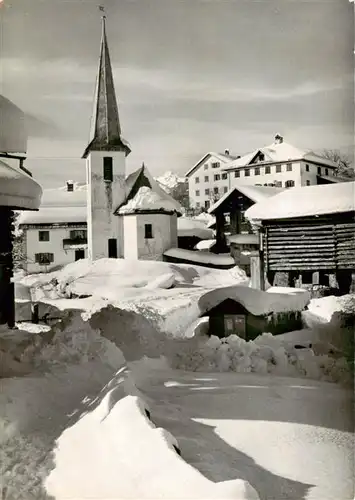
(103, 197)
(290, 174)
(280, 164)
(60, 253)
(208, 181)
(162, 235)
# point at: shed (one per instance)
(248, 312)
(235, 202)
(307, 230)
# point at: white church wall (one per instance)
(104, 196)
(54, 246)
(130, 237)
(164, 235)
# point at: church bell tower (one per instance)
(105, 165)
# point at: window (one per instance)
(319, 171)
(78, 234)
(247, 172)
(206, 178)
(43, 235)
(148, 231)
(44, 258)
(197, 180)
(225, 189)
(326, 171)
(205, 166)
(207, 192)
(198, 204)
(268, 169)
(207, 204)
(278, 169)
(289, 184)
(79, 254)
(307, 167)
(237, 173)
(289, 167)
(108, 169)
(308, 183)
(215, 190)
(224, 176)
(257, 171)
(197, 193)
(215, 164)
(217, 177)
(278, 184)
(112, 248)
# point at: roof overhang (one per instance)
(17, 189)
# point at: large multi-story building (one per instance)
(280, 165)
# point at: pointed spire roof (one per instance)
(105, 134)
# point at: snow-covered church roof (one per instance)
(306, 201)
(144, 194)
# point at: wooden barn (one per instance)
(248, 312)
(234, 204)
(309, 230)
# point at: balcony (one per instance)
(75, 243)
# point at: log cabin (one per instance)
(308, 230)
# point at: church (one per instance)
(113, 215)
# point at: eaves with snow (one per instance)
(324, 199)
(17, 189)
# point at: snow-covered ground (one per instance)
(94, 418)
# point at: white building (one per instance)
(280, 164)
(208, 180)
(114, 216)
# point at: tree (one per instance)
(180, 193)
(345, 167)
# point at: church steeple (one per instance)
(105, 134)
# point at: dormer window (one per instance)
(215, 164)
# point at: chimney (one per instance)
(226, 152)
(70, 186)
(279, 139)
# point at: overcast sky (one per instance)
(191, 76)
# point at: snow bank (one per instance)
(189, 227)
(325, 307)
(266, 354)
(78, 427)
(256, 301)
(207, 258)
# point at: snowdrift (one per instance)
(266, 354)
(78, 427)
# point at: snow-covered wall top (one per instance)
(306, 201)
(192, 227)
(18, 189)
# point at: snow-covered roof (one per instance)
(306, 201)
(244, 239)
(222, 157)
(144, 193)
(279, 152)
(254, 193)
(192, 227)
(18, 189)
(147, 200)
(55, 215)
(222, 260)
(255, 301)
(61, 197)
(205, 245)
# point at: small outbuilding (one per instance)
(248, 312)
